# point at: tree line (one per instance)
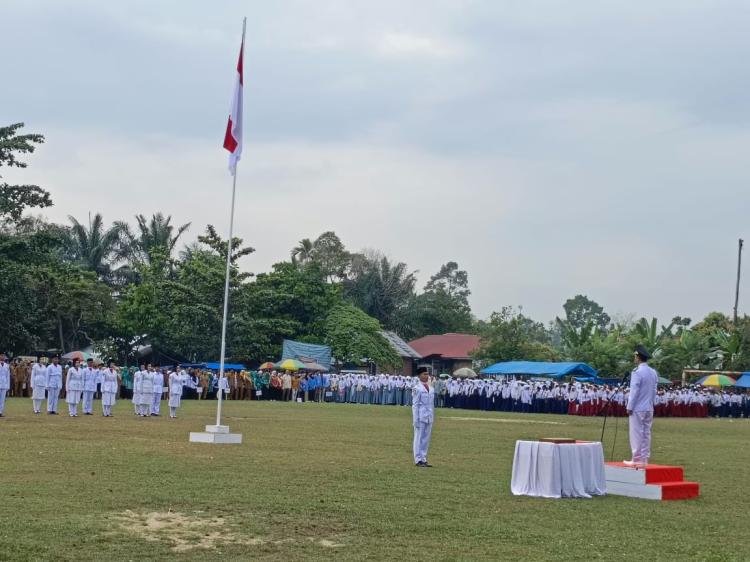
(122, 285)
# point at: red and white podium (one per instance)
(654, 482)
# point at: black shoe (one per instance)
(88, 414)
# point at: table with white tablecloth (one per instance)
(558, 470)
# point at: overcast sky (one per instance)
(550, 148)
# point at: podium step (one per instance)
(652, 474)
(652, 482)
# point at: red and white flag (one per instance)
(233, 135)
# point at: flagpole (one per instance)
(226, 298)
(233, 143)
(226, 280)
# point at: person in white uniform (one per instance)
(110, 379)
(38, 385)
(4, 381)
(146, 397)
(158, 377)
(90, 379)
(423, 414)
(640, 407)
(137, 385)
(74, 388)
(137, 390)
(176, 380)
(53, 384)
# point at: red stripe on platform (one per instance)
(657, 474)
(679, 490)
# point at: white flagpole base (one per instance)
(216, 434)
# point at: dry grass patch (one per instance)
(190, 532)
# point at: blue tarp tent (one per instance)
(539, 369)
(598, 381)
(214, 366)
(227, 366)
(743, 381)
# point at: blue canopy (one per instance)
(743, 381)
(539, 369)
(227, 366)
(598, 381)
(214, 366)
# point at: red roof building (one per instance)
(446, 352)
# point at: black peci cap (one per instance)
(642, 353)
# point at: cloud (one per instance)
(408, 45)
(594, 148)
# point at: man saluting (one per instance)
(423, 414)
(643, 382)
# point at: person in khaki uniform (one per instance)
(204, 385)
(231, 393)
(19, 378)
(26, 382)
(246, 384)
(15, 378)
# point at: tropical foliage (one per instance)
(120, 286)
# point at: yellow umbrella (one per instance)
(291, 365)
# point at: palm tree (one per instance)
(154, 233)
(95, 247)
(379, 287)
(302, 254)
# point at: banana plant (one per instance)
(728, 347)
(650, 335)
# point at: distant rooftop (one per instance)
(447, 346)
(401, 347)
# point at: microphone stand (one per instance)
(606, 408)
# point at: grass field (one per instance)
(336, 481)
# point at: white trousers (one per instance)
(640, 435)
(3, 391)
(88, 401)
(37, 405)
(422, 433)
(156, 403)
(53, 395)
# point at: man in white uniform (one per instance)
(423, 414)
(4, 381)
(640, 407)
(90, 379)
(53, 384)
(158, 378)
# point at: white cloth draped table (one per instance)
(558, 470)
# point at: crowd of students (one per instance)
(146, 387)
